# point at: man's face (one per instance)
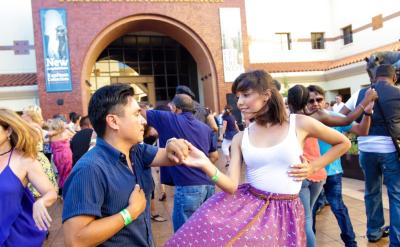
(338, 99)
(316, 101)
(131, 123)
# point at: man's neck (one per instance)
(119, 144)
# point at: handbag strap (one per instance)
(396, 145)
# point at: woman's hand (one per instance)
(40, 215)
(196, 157)
(299, 172)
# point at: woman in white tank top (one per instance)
(266, 211)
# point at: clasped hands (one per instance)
(181, 151)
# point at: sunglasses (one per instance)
(318, 100)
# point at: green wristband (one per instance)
(216, 176)
(126, 216)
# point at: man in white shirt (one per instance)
(339, 103)
(379, 159)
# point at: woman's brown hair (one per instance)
(23, 138)
(274, 111)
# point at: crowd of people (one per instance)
(105, 166)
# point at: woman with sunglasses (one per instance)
(23, 221)
(298, 100)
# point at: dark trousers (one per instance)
(333, 193)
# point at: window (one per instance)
(317, 40)
(347, 35)
(284, 41)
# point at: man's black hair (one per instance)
(72, 115)
(75, 118)
(106, 100)
(316, 89)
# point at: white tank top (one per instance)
(266, 168)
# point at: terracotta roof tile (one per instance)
(321, 65)
(22, 79)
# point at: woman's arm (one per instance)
(313, 128)
(332, 121)
(42, 184)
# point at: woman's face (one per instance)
(250, 102)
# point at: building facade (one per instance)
(56, 53)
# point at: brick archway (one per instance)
(160, 24)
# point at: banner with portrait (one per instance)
(55, 50)
(232, 45)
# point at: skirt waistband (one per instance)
(270, 196)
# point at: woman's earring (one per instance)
(9, 138)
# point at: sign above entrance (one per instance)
(55, 50)
(141, 1)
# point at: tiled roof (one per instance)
(22, 79)
(321, 65)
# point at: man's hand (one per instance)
(137, 202)
(299, 172)
(177, 150)
(196, 157)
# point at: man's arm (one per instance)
(211, 122)
(332, 121)
(85, 230)
(362, 129)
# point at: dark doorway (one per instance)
(161, 57)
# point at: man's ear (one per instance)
(112, 121)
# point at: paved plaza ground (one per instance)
(328, 232)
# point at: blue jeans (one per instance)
(308, 195)
(333, 193)
(188, 199)
(378, 167)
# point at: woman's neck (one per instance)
(5, 147)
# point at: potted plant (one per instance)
(350, 163)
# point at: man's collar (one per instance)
(114, 153)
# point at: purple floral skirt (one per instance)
(250, 217)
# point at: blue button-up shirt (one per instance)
(100, 185)
(186, 126)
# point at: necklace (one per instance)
(6, 152)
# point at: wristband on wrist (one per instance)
(367, 114)
(126, 216)
(216, 175)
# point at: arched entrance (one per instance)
(207, 77)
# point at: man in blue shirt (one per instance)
(107, 195)
(192, 186)
(333, 185)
